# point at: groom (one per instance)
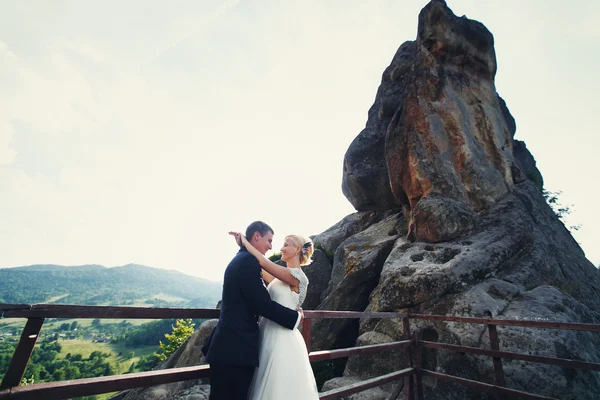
(233, 351)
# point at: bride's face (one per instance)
(289, 250)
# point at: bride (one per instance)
(284, 371)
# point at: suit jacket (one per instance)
(235, 339)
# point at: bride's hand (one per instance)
(238, 237)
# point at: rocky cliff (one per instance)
(450, 220)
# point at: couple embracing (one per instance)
(266, 360)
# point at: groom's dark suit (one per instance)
(233, 350)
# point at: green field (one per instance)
(120, 356)
(56, 298)
(86, 347)
(20, 322)
(12, 322)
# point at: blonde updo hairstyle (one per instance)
(306, 248)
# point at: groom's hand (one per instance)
(301, 314)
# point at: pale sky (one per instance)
(143, 131)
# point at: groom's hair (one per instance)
(260, 227)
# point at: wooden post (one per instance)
(408, 381)
(418, 364)
(20, 359)
(307, 332)
(494, 345)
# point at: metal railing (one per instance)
(409, 379)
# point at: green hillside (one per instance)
(97, 285)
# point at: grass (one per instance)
(143, 301)
(84, 323)
(55, 298)
(86, 347)
(13, 322)
(166, 297)
(105, 396)
(20, 322)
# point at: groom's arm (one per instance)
(259, 300)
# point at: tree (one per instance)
(59, 375)
(72, 372)
(181, 331)
(74, 325)
(561, 211)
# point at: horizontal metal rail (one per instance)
(563, 362)
(526, 323)
(36, 313)
(69, 311)
(104, 384)
(72, 311)
(326, 314)
(372, 348)
(90, 386)
(484, 386)
(364, 385)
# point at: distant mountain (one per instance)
(97, 285)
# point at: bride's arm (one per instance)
(267, 277)
(277, 271)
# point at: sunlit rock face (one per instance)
(438, 139)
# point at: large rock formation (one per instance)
(439, 139)
(450, 220)
(475, 236)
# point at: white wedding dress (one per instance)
(283, 372)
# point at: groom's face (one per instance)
(262, 243)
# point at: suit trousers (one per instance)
(230, 382)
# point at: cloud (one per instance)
(190, 26)
(7, 154)
(148, 141)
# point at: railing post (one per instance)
(418, 364)
(494, 345)
(20, 358)
(307, 332)
(408, 381)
